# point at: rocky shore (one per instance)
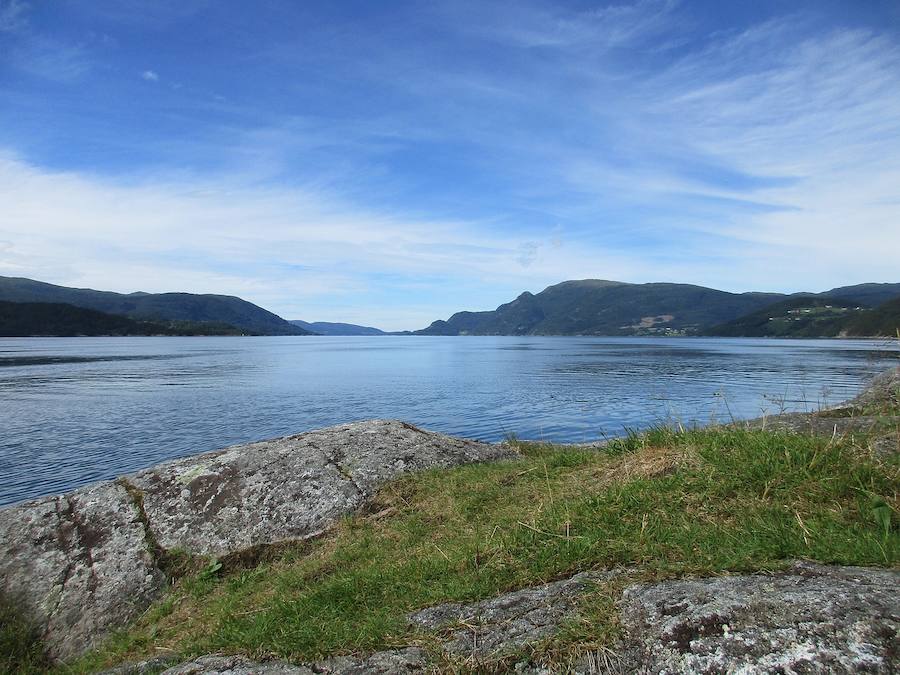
(85, 564)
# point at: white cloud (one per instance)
(150, 76)
(767, 160)
(296, 251)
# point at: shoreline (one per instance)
(797, 417)
(89, 562)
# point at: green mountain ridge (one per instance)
(798, 316)
(161, 307)
(600, 307)
(870, 295)
(53, 319)
(884, 320)
(816, 316)
(577, 307)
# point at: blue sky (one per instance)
(389, 163)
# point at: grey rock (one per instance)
(236, 665)
(887, 444)
(822, 424)
(147, 667)
(80, 563)
(291, 488)
(77, 564)
(504, 624)
(809, 619)
(882, 390)
(407, 660)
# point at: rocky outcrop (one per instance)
(389, 662)
(78, 564)
(483, 630)
(82, 564)
(808, 619)
(826, 423)
(290, 488)
(883, 390)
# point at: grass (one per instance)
(20, 641)
(668, 503)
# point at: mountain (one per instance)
(36, 319)
(327, 328)
(884, 320)
(226, 309)
(598, 307)
(870, 295)
(815, 316)
(799, 316)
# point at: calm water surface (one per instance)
(73, 411)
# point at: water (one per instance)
(73, 411)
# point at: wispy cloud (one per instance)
(51, 59)
(169, 233)
(37, 53)
(452, 156)
(12, 15)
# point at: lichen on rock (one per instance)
(83, 563)
(78, 563)
(289, 488)
(490, 628)
(808, 619)
(394, 662)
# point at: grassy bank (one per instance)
(667, 503)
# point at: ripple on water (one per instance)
(73, 411)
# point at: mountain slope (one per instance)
(598, 307)
(801, 316)
(154, 306)
(329, 328)
(866, 294)
(884, 321)
(51, 319)
(815, 316)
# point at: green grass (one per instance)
(668, 503)
(21, 650)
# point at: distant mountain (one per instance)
(327, 328)
(52, 319)
(598, 307)
(870, 295)
(222, 309)
(798, 316)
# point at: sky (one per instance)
(390, 163)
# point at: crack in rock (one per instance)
(391, 662)
(79, 564)
(484, 630)
(288, 489)
(90, 561)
